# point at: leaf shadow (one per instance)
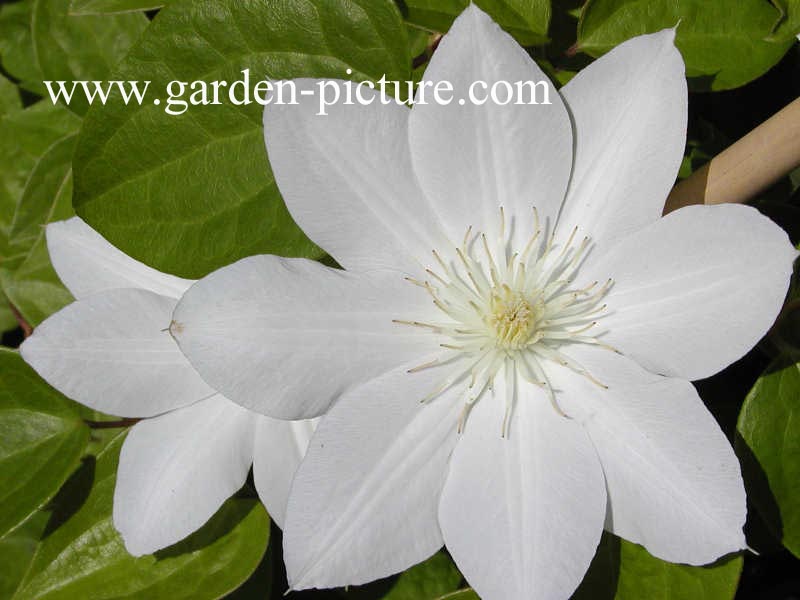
(759, 493)
(701, 83)
(72, 495)
(600, 581)
(225, 520)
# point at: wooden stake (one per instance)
(749, 166)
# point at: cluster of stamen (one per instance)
(509, 310)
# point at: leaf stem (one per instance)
(111, 424)
(27, 330)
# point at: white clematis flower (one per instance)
(505, 266)
(111, 351)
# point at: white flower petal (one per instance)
(472, 159)
(363, 503)
(112, 352)
(286, 337)
(279, 448)
(674, 483)
(629, 109)
(176, 470)
(86, 263)
(696, 290)
(347, 179)
(522, 516)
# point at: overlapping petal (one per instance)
(286, 337)
(696, 290)
(86, 263)
(629, 111)
(279, 448)
(176, 470)
(473, 159)
(347, 179)
(364, 501)
(674, 483)
(522, 516)
(112, 352)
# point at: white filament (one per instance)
(510, 310)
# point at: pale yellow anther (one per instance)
(510, 313)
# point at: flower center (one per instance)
(512, 317)
(516, 311)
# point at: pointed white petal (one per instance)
(472, 159)
(696, 290)
(86, 263)
(176, 470)
(629, 109)
(674, 483)
(285, 337)
(279, 448)
(347, 179)
(112, 352)
(522, 516)
(363, 503)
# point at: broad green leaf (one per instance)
(526, 20)
(35, 186)
(41, 440)
(10, 100)
(25, 136)
(426, 581)
(768, 444)
(261, 583)
(26, 276)
(102, 436)
(724, 46)
(788, 24)
(429, 580)
(465, 594)
(17, 549)
(622, 570)
(106, 7)
(7, 319)
(191, 193)
(84, 556)
(16, 45)
(72, 48)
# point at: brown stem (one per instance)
(426, 56)
(111, 424)
(27, 330)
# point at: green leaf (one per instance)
(35, 186)
(17, 549)
(768, 444)
(27, 278)
(106, 7)
(7, 319)
(84, 556)
(188, 194)
(9, 97)
(429, 580)
(426, 581)
(41, 440)
(72, 48)
(788, 24)
(723, 47)
(526, 20)
(465, 594)
(16, 45)
(25, 137)
(260, 584)
(622, 570)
